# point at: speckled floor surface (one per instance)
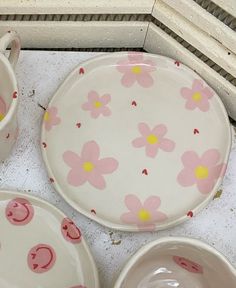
(39, 74)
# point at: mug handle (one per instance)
(5, 41)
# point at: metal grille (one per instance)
(196, 52)
(218, 12)
(77, 17)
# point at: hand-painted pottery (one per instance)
(135, 141)
(177, 262)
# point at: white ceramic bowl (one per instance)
(8, 93)
(177, 262)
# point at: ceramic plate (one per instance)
(40, 247)
(136, 141)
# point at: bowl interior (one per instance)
(6, 87)
(179, 265)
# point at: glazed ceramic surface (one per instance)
(177, 262)
(41, 247)
(8, 93)
(136, 141)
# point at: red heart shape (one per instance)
(177, 63)
(14, 94)
(190, 214)
(196, 131)
(134, 103)
(78, 125)
(145, 172)
(81, 71)
(51, 180)
(44, 145)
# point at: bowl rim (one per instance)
(14, 103)
(169, 240)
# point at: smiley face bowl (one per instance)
(177, 262)
(40, 247)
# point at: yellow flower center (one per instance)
(1, 117)
(46, 116)
(197, 96)
(201, 172)
(144, 215)
(136, 69)
(152, 139)
(97, 104)
(88, 166)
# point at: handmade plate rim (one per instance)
(96, 218)
(170, 240)
(59, 212)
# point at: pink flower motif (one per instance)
(97, 105)
(201, 170)
(88, 167)
(143, 215)
(153, 139)
(3, 109)
(197, 96)
(50, 118)
(136, 69)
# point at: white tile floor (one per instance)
(39, 74)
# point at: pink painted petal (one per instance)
(95, 113)
(107, 165)
(136, 57)
(56, 121)
(128, 79)
(203, 105)
(218, 171)
(105, 111)
(205, 185)
(86, 106)
(3, 107)
(210, 158)
(149, 66)
(144, 129)
(48, 125)
(123, 66)
(159, 130)
(93, 96)
(151, 150)
(158, 216)
(133, 203)
(208, 92)
(90, 151)
(96, 180)
(52, 110)
(190, 104)
(186, 178)
(71, 159)
(139, 142)
(129, 218)
(105, 99)
(186, 92)
(145, 80)
(167, 145)
(152, 203)
(75, 178)
(198, 85)
(190, 159)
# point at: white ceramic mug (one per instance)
(8, 93)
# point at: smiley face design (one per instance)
(19, 211)
(188, 265)
(41, 258)
(70, 231)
